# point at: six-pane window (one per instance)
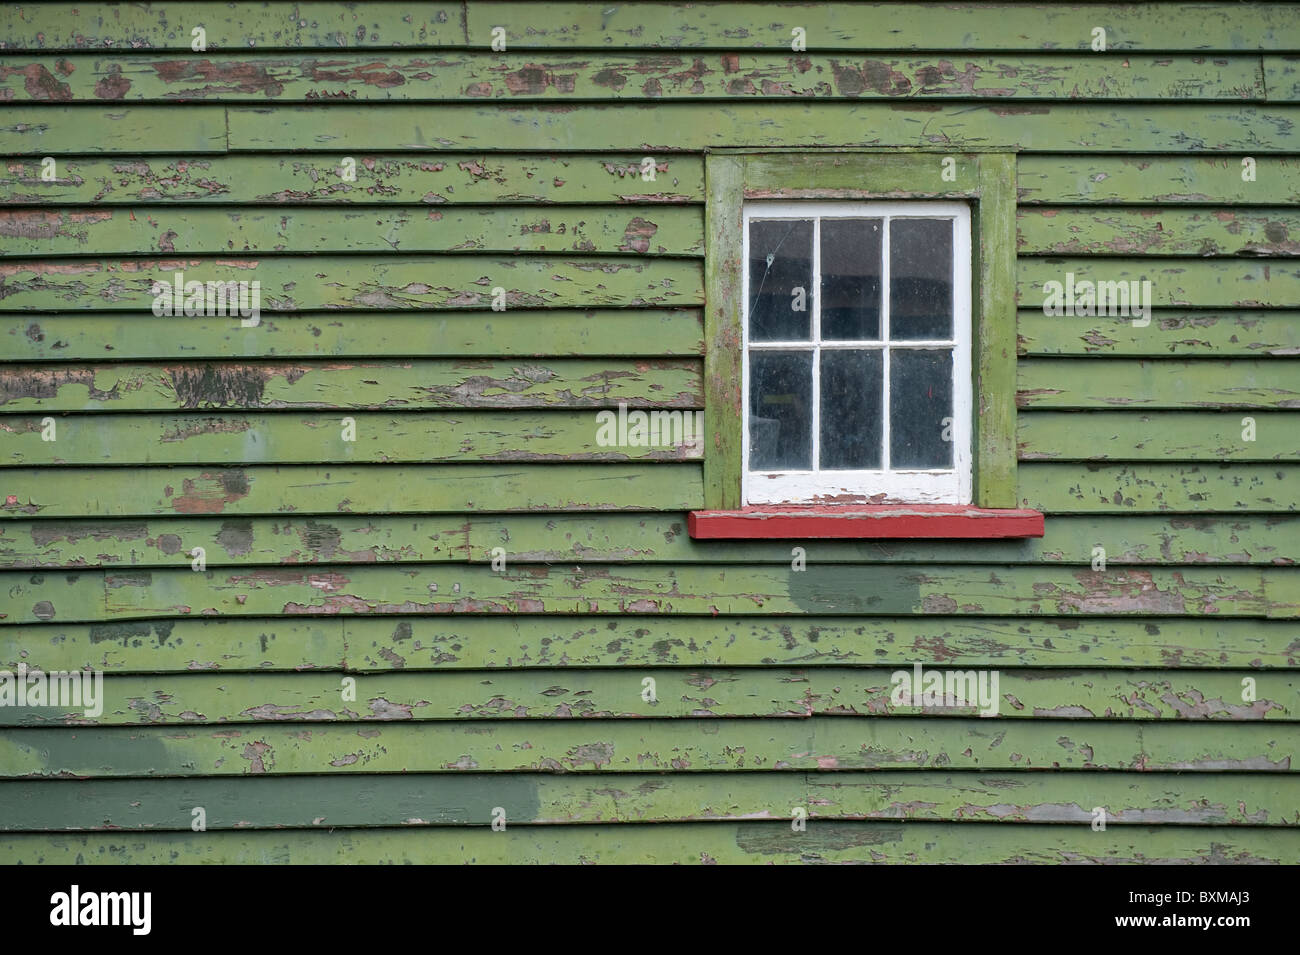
(857, 352)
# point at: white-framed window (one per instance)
(857, 352)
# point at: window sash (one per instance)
(951, 485)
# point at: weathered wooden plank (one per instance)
(654, 589)
(614, 538)
(671, 126)
(384, 489)
(604, 694)
(532, 694)
(1066, 383)
(913, 742)
(726, 843)
(724, 342)
(1247, 385)
(1132, 539)
(1197, 283)
(1053, 230)
(860, 174)
(45, 130)
(876, 26)
(1129, 489)
(725, 26)
(1146, 798)
(1056, 488)
(678, 745)
(1167, 435)
(316, 24)
(363, 437)
(993, 447)
(360, 281)
(493, 642)
(1282, 76)
(269, 540)
(1209, 334)
(607, 230)
(184, 645)
(466, 799)
(409, 385)
(469, 76)
(834, 589)
(1164, 180)
(380, 179)
(512, 333)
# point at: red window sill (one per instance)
(856, 522)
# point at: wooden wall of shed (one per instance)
(522, 689)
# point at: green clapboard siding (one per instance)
(409, 385)
(416, 800)
(388, 179)
(673, 230)
(656, 538)
(371, 643)
(362, 570)
(562, 76)
(513, 334)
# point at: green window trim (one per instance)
(986, 180)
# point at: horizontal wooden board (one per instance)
(364, 437)
(383, 489)
(1282, 76)
(306, 178)
(46, 130)
(530, 694)
(414, 643)
(1055, 488)
(470, 76)
(607, 230)
(983, 26)
(294, 283)
(512, 333)
(561, 642)
(1054, 230)
(1165, 383)
(834, 589)
(686, 745)
(1156, 436)
(726, 26)
(1160, 180)
(614, 538)
(727, 843)
(340, 801)
(265, 540)
(1132, 539)
(676, 127)
(315, 24)
(1196, 283)
(407, 385)
(1137, 488)
(405, 489)
(315, 698)
(184, 645)
(1222, 334)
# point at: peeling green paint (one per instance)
(1145, 646)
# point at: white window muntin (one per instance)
(947, 486)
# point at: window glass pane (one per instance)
(920, 279)
(851, 409)
(780, 410)
(780, 280)
(920, 398)
(850, 259)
